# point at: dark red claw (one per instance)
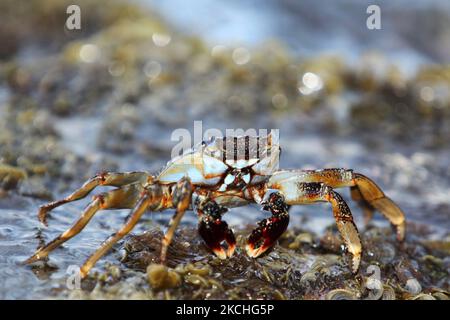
(214, 232)
(270, 229)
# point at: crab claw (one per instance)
(217, 235)
(256, 244)
(270, 229)
(265, 235)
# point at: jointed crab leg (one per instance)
(368, 210)
(345, 224)
(296, 192)
(151, 198)
(375, 198)
(115, 179)
(181, 199)
(125, 197)
(362, 188)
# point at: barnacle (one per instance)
(388, 293)
(422, 296)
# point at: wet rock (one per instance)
(283, 273)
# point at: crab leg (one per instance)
(124, 197)
(270, 229)
(370, 195)
(101, 179)
(214, 230)
(375, 198)
(181, 199)
(297, 193)
(151, 199)
(368, 210)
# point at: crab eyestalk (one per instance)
(215, 232)
(270, 229)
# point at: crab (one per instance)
(222, 173)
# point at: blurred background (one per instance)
(108, 97)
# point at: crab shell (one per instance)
(220, 160)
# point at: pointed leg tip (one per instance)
(355, 269)
(83, 274)
(401, 231)
(356, 261)
(42, 216)
(32, 259)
